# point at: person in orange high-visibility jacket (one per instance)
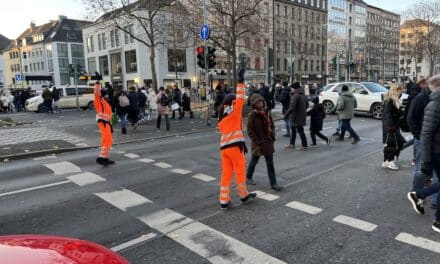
(103, 117)
(233, 148)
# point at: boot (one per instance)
(101, 161)
(109, 161)
(249, 198)
(124, 130)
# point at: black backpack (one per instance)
(164, 100)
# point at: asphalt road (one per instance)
(339, 205)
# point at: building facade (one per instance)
(41, 55)
(299, 40)
(4, 42)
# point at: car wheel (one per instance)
(328, 106)
(90, 106)
(377, 110)
(42, 108)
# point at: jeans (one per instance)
(339, 125)
(346, 126)
(167, 121)
(48, 104)
(123, 122)
(300, 131)
(422, 193)
(314, 133)
(269, 165)
(287, 122)
(418, 179)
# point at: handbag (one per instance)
(175, 106)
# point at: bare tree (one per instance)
(231, 22)
(150, 18)
(427, 13)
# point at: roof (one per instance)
(67, 30)
(4, 42)
(383, 10)
(45, 29)
(414, 23)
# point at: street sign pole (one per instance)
(207, 79)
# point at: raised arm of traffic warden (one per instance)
(240, 99)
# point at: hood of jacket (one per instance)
(435, 96)
(255, 98)
(299, 91)
(347, 94)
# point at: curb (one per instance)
(71, 149)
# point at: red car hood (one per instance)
(41, 249)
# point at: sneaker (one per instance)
(249, 198)
(384, 164)
(303, 148)
(226, 206)
(123, 131)
(390, 165)
(328, 141)
(336, 133)
(276, 187)
(436, 226)
(290, 146)
(313, 145)
(250, 182)
(416, 203)
(413, 162)
(355, 141)
(101, 161)
(109, 162)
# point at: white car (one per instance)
(369, 96)
(67, 99)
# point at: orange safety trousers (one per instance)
(233, 160)
(106, 139)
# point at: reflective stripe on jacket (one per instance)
(102, 107)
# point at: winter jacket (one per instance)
(116, 107)
(285, 97)
(268, 98)
(390, 124)
(134, 101)
(162, 110)
(346, 105)
(430, 136)
(186, 102)
(317, 115)
(262, 141)
(416, 111)
(142, 99)
(298, 108)
(219, 95)
(177, 96)
(151, 100)
(47, 95)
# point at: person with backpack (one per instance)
(177, 99)
(186, 104)
(264, 91)
(163, 103)
(48, 98)
(120, 107)
(133, 109)
(317, 115)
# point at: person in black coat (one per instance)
(285, 101)
(186, 104)
(267, 95)
(219, 96)
(121, 111)
(133, 110)
(177, 99)
(317, 115)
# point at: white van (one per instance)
(67, 99)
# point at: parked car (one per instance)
(67, 99)
(369, 96)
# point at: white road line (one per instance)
(266, 196)
(304, 207)
(146, 160)
(85, 178)
(123, 199)
(132, 155)
(162, 165)
(419, 242)
(46, 157)
(120, 152)
(217, 247)
(165, 220)
(203, 177)
(181, 171)
(64, 167)
(355, 223)
(133, 242)
(35, 188)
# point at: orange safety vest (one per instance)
(102, 107)
(231, 126)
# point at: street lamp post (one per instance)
(323, 26)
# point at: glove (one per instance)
(243, 148)
(426, 168)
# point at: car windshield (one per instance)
(374, 87)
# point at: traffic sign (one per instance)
(205, 32)
(19, 77)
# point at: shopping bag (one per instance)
(175, 106)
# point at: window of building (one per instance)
(278, 64)
(104, 40)
(257, 63)
(26, 68)
(64, 78)
(24, 55)
(91, 64)
(49, 51)
(77, 50)
(30, 67)
(62, 50)
(90, 46)
(42, 66)
(117, 38)
(79, 61)
(277, 10)
(99, 42)
(50, 65)
(176, 58)
(103, 65)
(285, 11)
(112, 38)
(116, 65)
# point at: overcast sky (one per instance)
(15, 16)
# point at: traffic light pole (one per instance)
(208, 86)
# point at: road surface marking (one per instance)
(123, 199)
(146, 160)
(355, 223)
(133, 242)
(46, 157)
(180, 171)
(64, 167)
(162, 165)
(304, 207)
(419, 242)
(203, 177)
(217, 247)
(35, 188)
(85, 178)
(266, 196)
(82, 145)
(132, 155)
(120, 152)
(165, 220)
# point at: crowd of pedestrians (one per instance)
(14, 101)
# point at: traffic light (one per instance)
(201, 57)
(211, 58)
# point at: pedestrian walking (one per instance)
(285, 97)
(219, 96)
(345, 109)
(233, 148)
(4, 102)
(120, 105)
(177, 101)
(392, 137)
(261, 130)
(163, 108)
(56, 99)
(186, 104)
(265, 92)
(151, 103)
(298, 113)
(142, 103)
(430, 153)
(103, 117)
(47, 100)
(317, 115)
(133, 109)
